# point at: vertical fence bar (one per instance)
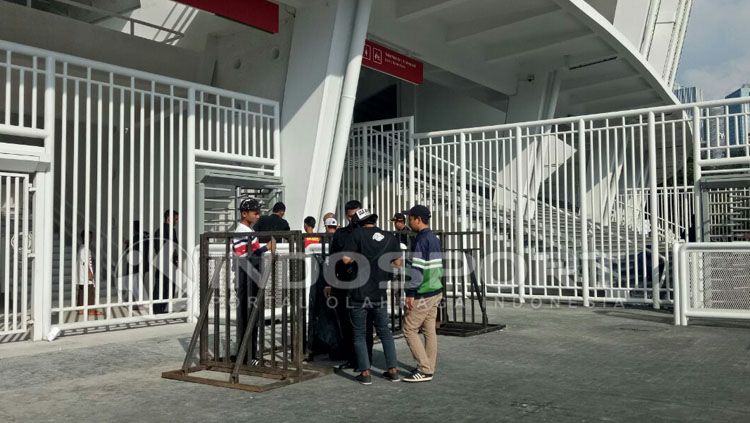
(462, 179)
(584, 210)
(190, 185)
(519, 257)
(110, 193)
(63, 192)
(25, 256)
(653, 206)
(698, 215)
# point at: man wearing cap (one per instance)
(376, 251)
(424, 291)
(400, 229)
(249, 250)
(345, 272)
(331, 225)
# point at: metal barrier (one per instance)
(463, 310)
(712, 281)
(271, 346)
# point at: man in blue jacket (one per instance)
(424, 291)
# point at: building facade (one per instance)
(113, 114)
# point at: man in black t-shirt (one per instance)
(345, 272)
(274, 222)
(376, 252)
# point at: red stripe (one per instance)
(261, 14)
(241, 249)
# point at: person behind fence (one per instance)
(274, 222)
(167, 250)
(86, 275)
(424, 291)
(377, 252)
(400, 229)
(249, 250)
(345, 272)
(331, 225)
(136, 256)
(309, 228)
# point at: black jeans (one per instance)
(362, 316)
(346, 345)
(247, 295)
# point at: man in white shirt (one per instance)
(86, 275)
(249, 250)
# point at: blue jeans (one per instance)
(359, 313)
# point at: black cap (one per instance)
(249, 204)
(398, 217)
(420, 211)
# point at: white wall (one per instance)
(437, 108)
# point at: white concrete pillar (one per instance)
(318, 61)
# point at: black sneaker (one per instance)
(393, 377)
(418, 376)
(365, 380)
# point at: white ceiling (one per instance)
(493, 43)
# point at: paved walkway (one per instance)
(550, 364)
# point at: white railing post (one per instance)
(653, 206)
(44, 200)
(412, 164)
(583, 202)
(698, 216)
(519, 256)
(676, 281)
(276, 137)
(191, 208)
(462, 179)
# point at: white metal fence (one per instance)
(583, 208)
(712, 281)
(15, 201)
(123, 151)
(376, 166)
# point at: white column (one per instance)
(43, 217)
(318, 62)
(346, 105)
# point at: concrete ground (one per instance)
(550, 364)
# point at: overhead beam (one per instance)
(510, 49)
(610, 90)
(605, 80)
(461, 33)
(407, 10)
(621, 97)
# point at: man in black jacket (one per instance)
(274, 222)
(166, 246)
(368, 298)
(345, 272)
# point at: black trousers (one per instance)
(247, 295)
(164, 281)
(346, 346)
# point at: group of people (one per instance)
(363, 258)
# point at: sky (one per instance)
(716, 52)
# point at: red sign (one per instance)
(392, 63)
(261, 14)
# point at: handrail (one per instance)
(591, 117)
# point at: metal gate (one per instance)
(15, 272)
